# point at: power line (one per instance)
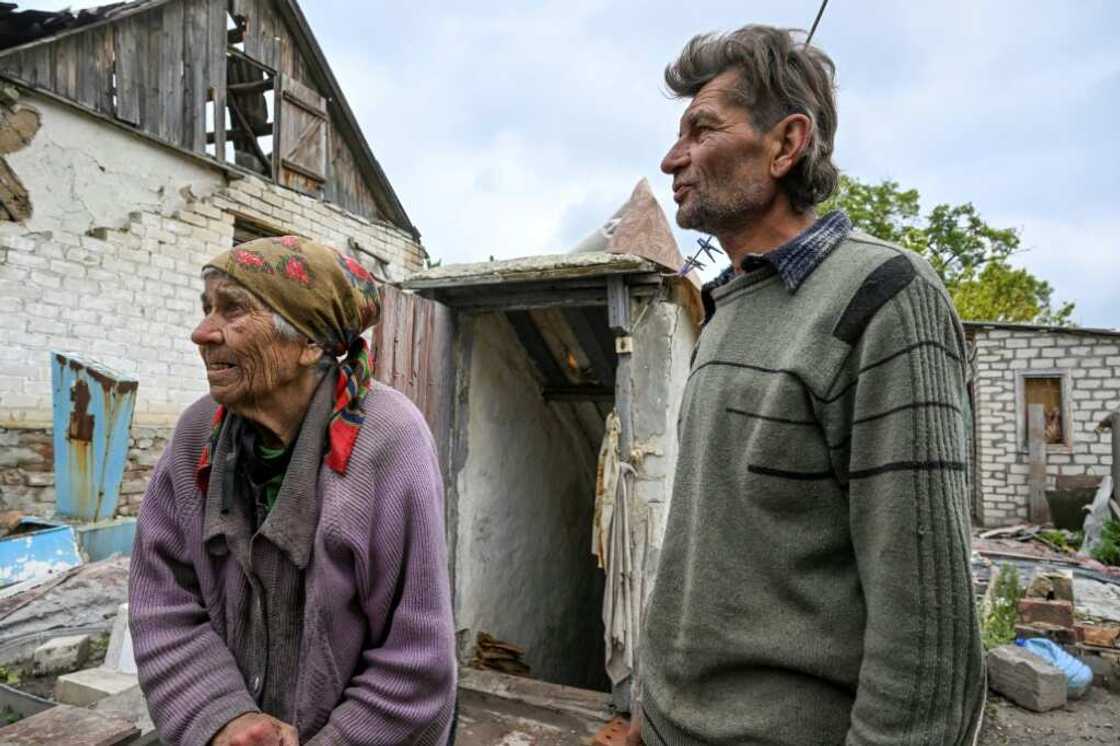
(813, 30)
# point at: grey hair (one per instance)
(283, 327)
(778, 76)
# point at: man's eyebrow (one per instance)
(698, 116)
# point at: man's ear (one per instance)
(791, 139)
(310, 354)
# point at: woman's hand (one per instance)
(256, 729)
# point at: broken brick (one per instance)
(1057, 613)
(1060, 635)
(1102, 635)
(613, 733)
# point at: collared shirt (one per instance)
(794, 260)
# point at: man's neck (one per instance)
(279, 417)
(778, 225)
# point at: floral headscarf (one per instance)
(326, 296)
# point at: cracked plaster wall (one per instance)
(83, 174)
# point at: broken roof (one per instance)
(24, 34)
(1042, 328)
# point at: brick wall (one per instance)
(127, 297)
(1089, 366)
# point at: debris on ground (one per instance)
(492, 654)
(1026, 679)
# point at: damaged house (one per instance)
(137, 140)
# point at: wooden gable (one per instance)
(243, 81)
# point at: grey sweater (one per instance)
(814, 583)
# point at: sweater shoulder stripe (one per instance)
(885, 282)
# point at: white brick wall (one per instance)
(1090, 363)
(129, 298)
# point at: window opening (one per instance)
(247, 229)
(1047, 391)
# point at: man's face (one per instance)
(720, 164)
(247, 361)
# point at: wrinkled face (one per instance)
(248, 363)
(720, 164)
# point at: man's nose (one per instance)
(675, 159)
(206, 333)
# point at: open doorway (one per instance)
(531, 419)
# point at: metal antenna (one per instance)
(813, 30)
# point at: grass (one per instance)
(1069, 541)
(1108, 550)
(997, 626)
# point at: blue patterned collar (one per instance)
(796, 259)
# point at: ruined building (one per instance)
(137, 140)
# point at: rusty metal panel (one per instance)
(92, 414)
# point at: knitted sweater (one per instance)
(368, 625)
(814, 583)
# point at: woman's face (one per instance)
(248, 362)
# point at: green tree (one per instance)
(971, 256)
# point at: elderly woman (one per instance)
(289, 578)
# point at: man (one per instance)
(814, 581)
(289, 578)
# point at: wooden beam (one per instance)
(578, 393)
(259, 86)
(618, 306)
(534, 344)
(243, 123)
(260, 130)
(1037, 508)
(582, 326)
(238, 54)
(478, 301)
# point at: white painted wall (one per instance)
(663, 342)
(524, 570)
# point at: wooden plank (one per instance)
(95, 69)
(65, 58)
(441, 376)
(403, 373)
(151, 54)
(196, 87)
(216, 72)
(171, 74)
(421, 349)
(128, 53)
(1037, 509)
(383, 335)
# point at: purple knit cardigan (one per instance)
(376, 662)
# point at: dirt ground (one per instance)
(1093, 719)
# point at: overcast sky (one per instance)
(515, 128)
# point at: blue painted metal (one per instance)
(104, 539)
(93, 408)
(38, 548)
